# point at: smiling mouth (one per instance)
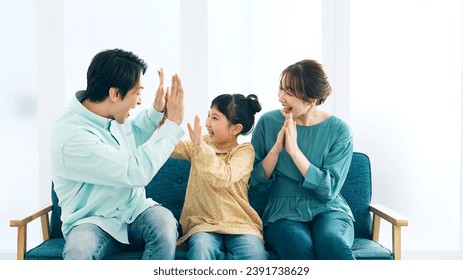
(286, 108)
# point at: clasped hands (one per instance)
(287, 137)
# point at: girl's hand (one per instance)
(195, 134)
(291, 135)
(160, 97)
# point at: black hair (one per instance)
(306, 79)
(238, 109)
(113, 68)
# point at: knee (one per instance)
(298, 242)
(258, 250)
(81, 244)
(202, 247)
(332, 247)
(163, 222)
(246, 247)
(79, 251)
(258, 253)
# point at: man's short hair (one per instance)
(113, 68)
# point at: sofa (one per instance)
(168, 188)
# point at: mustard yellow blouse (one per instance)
(216, 198)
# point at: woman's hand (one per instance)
(195, 134)
(280, 142)
(271, 159)
(291, 136)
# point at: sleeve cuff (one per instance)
(313, 178)
(170, 128)
(154, 115)
(259, 176)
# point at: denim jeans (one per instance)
(329, 236)
(154, 231)
(216, 246)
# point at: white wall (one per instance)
(242, 46)
(406, 88)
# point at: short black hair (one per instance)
(113, 68)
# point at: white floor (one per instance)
(7, 256)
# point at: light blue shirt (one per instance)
(327, 145)
(100, 167)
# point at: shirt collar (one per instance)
(76, 106)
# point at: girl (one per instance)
(217, 220)
(303, 155)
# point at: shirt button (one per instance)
(179, 181)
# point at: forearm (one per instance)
(145, 124)
(270, 162)
(301, 162)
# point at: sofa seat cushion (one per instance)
(50, 249)
(363, 249)
(366, 249)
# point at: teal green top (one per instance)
(328, 147)
(100, 167)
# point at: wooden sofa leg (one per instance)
(396, 242)
(376, 226)
(22, 240)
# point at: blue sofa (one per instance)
(168, 188)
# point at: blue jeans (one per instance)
(216, 246)
(329, 236)
(154, 231)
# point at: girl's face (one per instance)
(221, 132)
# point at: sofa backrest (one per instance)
(55, 219)
(169, 185)
(357, 192)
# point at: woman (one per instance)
(303, 155)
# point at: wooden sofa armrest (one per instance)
(22, 229)
(397, 221)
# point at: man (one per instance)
(101, 161)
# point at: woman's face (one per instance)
(290, 102)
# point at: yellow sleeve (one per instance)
(183, 150)
(222, 173)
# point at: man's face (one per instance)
(131, 100)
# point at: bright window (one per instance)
(251, 42)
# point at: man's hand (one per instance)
(160, 99)
(174, 101)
